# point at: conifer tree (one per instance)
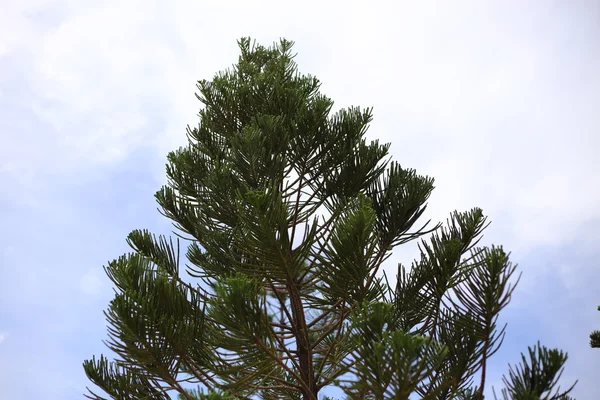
(595, 337)
(289, 214)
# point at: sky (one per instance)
(499, 101)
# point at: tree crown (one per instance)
(290, 214)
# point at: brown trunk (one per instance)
(303, 346)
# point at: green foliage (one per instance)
(392, 362)
(290, 214)
(595, 337)
(199, 395)
(537, 377)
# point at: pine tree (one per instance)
(595, 337)
(290, 213)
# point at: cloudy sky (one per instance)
(498, 100)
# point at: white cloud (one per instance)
(90, 283)
(490, 99)
(91, 79)
(3, 336)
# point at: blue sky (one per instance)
(497, 100)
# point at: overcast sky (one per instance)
(499, 101)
